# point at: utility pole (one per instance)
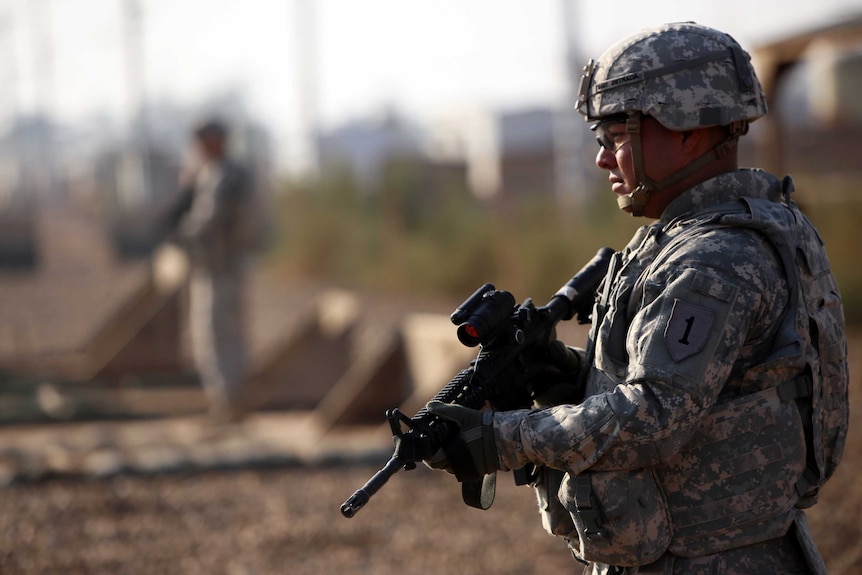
(45, 178)
(133, 170)
(307, 84)
(9, 178)
(570, 141)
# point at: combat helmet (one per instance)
(684, 75)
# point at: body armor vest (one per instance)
(756, 457)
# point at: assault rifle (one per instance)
(498, 376)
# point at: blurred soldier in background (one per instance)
(213, 227)
(711, 402)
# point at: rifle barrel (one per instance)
(358, 500)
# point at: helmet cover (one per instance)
(685, 75)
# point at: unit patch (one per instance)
(688, 329)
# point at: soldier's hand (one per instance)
(476, 432)
(554, 374)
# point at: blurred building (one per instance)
(27, 174)
(527, 156)
(514, 154)
(365, 146)
(812, 82)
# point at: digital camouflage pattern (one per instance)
(687, 441)
(212, 232)
(685, 75)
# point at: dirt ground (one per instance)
(256, 522)
(286, 520)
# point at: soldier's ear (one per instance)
(690, 140)
(698, 141)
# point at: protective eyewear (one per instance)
(608, 134)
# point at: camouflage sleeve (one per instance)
(699, 314)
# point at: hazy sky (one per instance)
(423, 56)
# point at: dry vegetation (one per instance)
(287, 521)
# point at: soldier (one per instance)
(715, 375)
(212, 230)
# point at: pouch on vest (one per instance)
(620, 518)
(555, 518)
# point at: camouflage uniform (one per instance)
(682, 458)
(211, 233)
(716, 374)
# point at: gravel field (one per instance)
(287, 521)
(273, 521)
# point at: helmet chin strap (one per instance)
(636, 201)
